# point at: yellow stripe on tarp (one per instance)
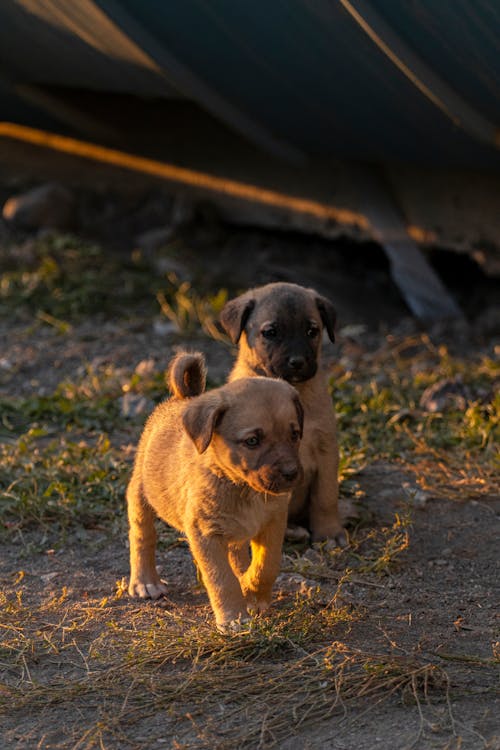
(202, 180)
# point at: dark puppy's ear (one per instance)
(200, 419)
(234, 316)
(328, 315)
(300, 414)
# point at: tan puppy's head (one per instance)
(253, 428)
(279, 328)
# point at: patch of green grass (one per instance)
(189, 311)
(59, 412)
(380, 417)
(68, 278)
(61, 484)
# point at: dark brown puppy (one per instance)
(218, 466)
(279, 329)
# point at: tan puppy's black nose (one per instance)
(289, 472)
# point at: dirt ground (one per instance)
(434, 606)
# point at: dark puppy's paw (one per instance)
(331, 541)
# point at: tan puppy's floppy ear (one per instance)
(234, 316)
(300, 414)
(200, 419)
(328, 315)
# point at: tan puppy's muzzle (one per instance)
(277, 478)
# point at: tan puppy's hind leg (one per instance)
(144, 579)
(258, 581)
(239, 558)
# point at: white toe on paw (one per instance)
(234, 626)
(156, 590)
(148, 590)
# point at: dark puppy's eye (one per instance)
(269, 333)
(252, 441)
(312, 331)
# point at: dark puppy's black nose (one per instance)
(297, 363)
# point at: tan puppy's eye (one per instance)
(269, 332)
(295, 435)
(252, 441)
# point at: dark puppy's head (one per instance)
(253, 427)
(279, 328)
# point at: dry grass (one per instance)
(121, 671)
(251, 690)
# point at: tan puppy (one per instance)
(218, 467)
(279, 329)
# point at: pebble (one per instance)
(446, 394)
(49, 206)
(133, 404)
(163, 327)
(145, 367)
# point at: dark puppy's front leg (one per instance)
(211, 553)
(257, 582)
(144, 579)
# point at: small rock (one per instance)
(24, 254)
(6, 364)
(49, 206)
(313, 555)
(353, 330)
(165, 265)
(133, 404)
(145, 367)
(488, 322)
(294, 583)
(416, 496)
(445, 395)
(164, 327)
(348, 510)
(151, 241)
(47, 577)
(183, 210)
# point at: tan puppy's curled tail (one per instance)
(187, 375)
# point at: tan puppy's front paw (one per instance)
(147, 590)
(231, 627)
(257, 606)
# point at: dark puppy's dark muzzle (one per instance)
(297, 363)
(297, 368)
